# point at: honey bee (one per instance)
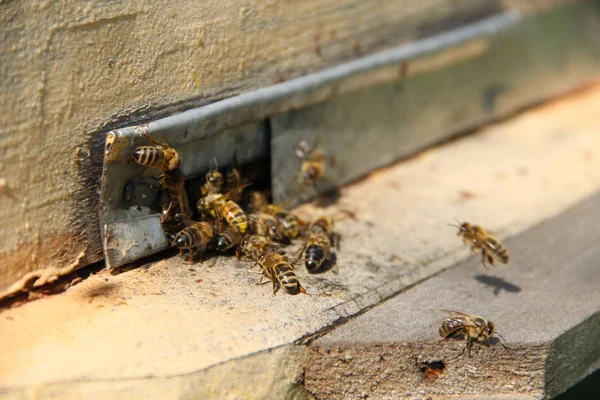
(214, 183)
(253, 246)
(320, 238)
(227, 239)
(276, 267)
(264, 224)
(257, 201)
(218, 206)
(313, 165)
(292, 225)
(160, 155)
(174, 194)
(472, 328)
(478, 238)
(194, 240)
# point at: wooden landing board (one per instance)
(166, 323)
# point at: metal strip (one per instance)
(441, 94)
(128, 207)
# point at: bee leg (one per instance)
(484, 256)
(188, 257)
(249, 269)
(276, 286)
(459, 354)
(469, 347)
(156, 142)
(299, 254)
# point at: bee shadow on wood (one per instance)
(498, 284)
(328, 198)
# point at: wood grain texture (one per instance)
(545, 303)
(165, 323)
(72, 70)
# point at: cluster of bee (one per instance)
(230, 218)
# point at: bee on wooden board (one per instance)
(194, 240)
(471, 328)
(219, 206)
(479, 239)
(227, 238)
(160, 155)
(320, 238)
(292, 225)
(276, 267)
(264, 224)
(253, 246)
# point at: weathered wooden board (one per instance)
(70, 71)
(172, 326)
(545, 303)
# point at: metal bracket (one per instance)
(394, 104)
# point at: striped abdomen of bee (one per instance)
(280, 271)
(165, 159)
(288, 279)
(194, 239)
(227, 239)
(495, 250)
(452, 327)
(317, 250)
(233, 214)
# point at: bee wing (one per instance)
(492, 243)
(465, 318)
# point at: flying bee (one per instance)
(471, 328)
(218, 206)
(479, 239)
(276, 267)
(227, 239)
(264, 224)
(314, 164)
(320, 238)
(253, 246)
(160, 155)
(194, 240)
